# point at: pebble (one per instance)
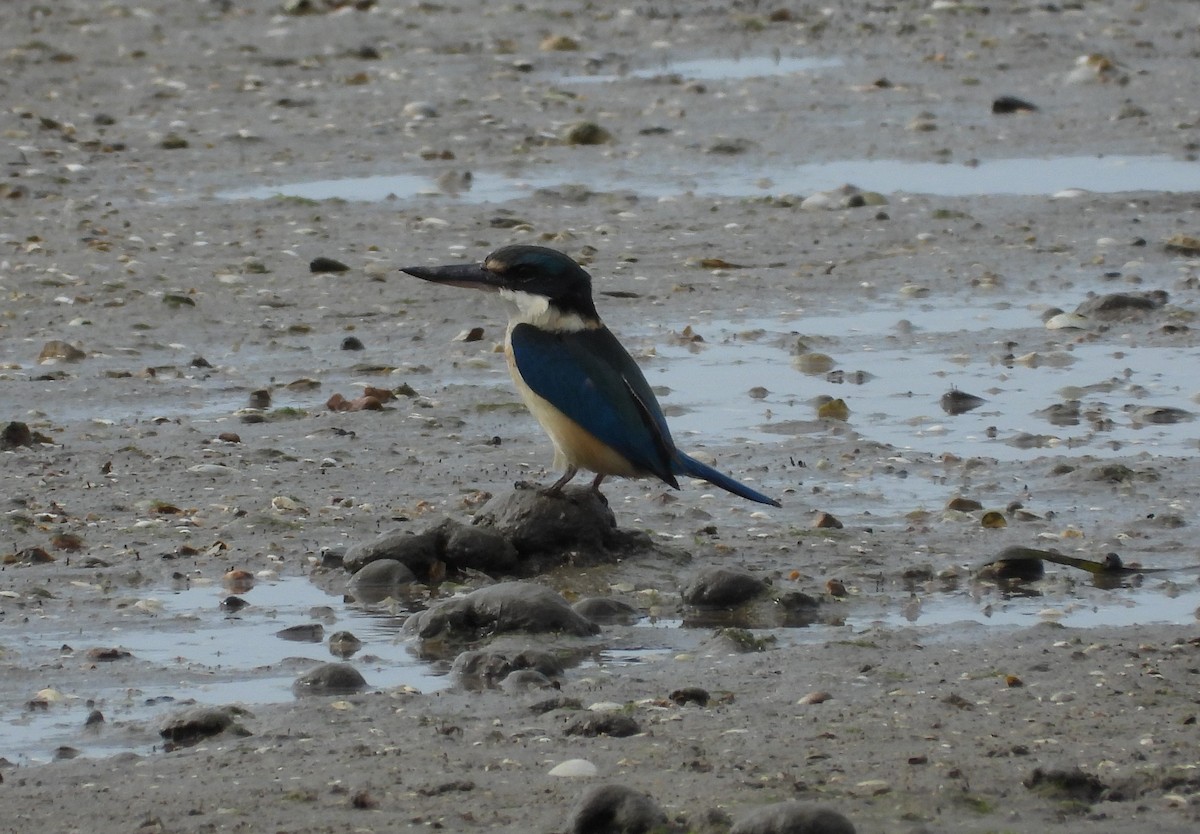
(607, 611)
(558, 43)
(198, 723)
(615, 809)
(956, 402)
(306, 633)
(322, 264)
(59, 351)
(483, 668)
(344, 644)
(505, 607)
(586, 133)
(845, 197)
(793, 818)
(15, 435)
(526, 680)
(380, 580)
(690, 695)
(419, 110)
(1011, 104)
(722, 587)
(614, 724)
(330, 679)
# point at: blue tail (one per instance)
(684, 465)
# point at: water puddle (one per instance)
(651, 179)
(894, 392)
(191, 652)
(1142, 601)
(1156, 603)
(204, 656)
(717, 69)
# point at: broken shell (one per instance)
(1067, 321)
(59, 351)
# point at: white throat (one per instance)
(536, 310)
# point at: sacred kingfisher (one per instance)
(581, 385)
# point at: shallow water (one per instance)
(898, 403)
(650, 178)
(716, 69)
(214, 658)
(238, 659)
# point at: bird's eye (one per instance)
(519, 272)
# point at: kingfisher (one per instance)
(574, 376)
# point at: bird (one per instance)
(574, 376)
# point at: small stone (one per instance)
(15, 435)
(173, 142)
(419, 110)
(1183, 244)
(836, 589)
(815, 698)
(993, 520)
(233, 604)
(344, 644)
(559, 43)
(722, 587)
(607, 611)
(474, 334)
(338, 403)
(826, 521)
(307, 633)
(956, 402)
(322, 264)
(193, 725)
(1011, 104)
(505, 607)
(586, 133)
(482, 668)
(834, 409)
(380, 580)
(59, 351)
(793, 818)
(107, 655)
(615, 724)
(330, 679)
(526, 680)
(690, 695)
(1066, 784)
(615, 809)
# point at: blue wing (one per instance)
(590, 378)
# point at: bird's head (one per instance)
(533, 277)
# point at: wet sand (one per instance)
(128, 132)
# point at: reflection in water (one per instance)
(653, 179)
(899, 402)
(715, 69)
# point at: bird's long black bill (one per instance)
(472, 276)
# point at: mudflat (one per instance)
(205, 209)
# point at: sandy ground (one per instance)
(125, 124)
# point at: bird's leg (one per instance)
(557, 487)
(596, 488)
